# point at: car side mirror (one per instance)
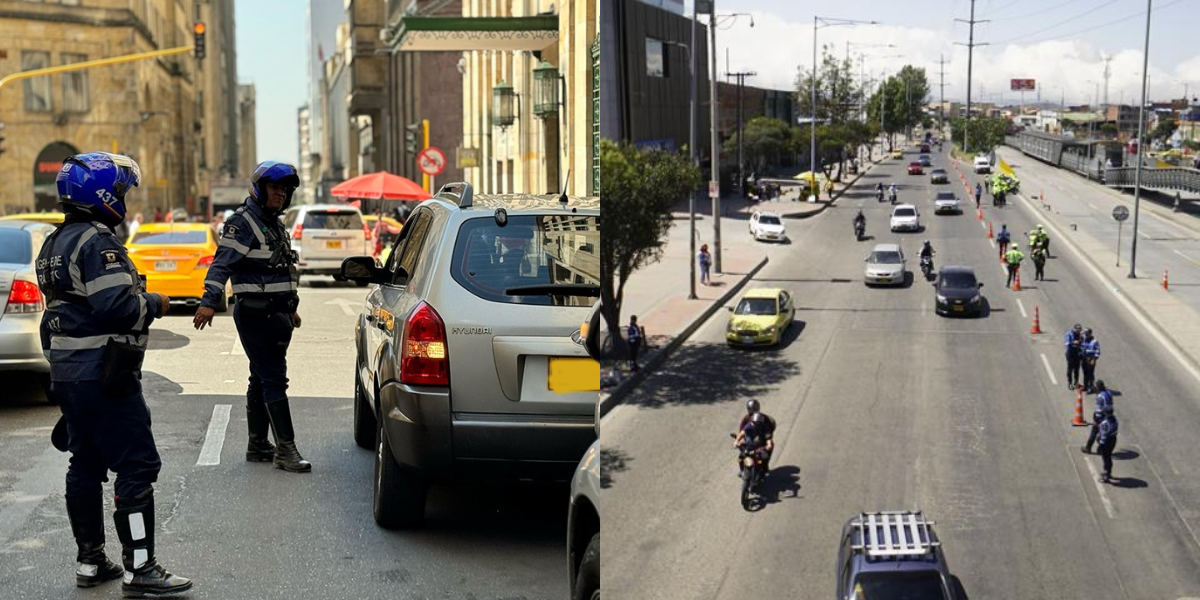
(981, 284)
(362, 269)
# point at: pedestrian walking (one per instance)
(634, 333)
(158, 215)
(978, 194)
(1013, 259)
(1039, 263)
(1090, 348)
(94, 332)
(1073, 345)
(256, 253)
(1002, 239)
(705, 260)
(1107, 440)
(1104, 401)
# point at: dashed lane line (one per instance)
(214, 440)
(1049, 371)
(1108, 506)
(1024, 314)
(1186, 257)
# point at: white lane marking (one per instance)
(1022, 307)
(1163, 341)
(347, 306)
(210, 453)
(1108, 507)
(1186, 257)
(237, 346)
(1049, 371)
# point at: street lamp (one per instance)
(693, 156)
(546, 99)
(1137, 177)
(504, 102)
(714, 21)
(819, 22)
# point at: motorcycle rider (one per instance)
(879, 191)
(927, 254)
(860, 223)
(757, 429)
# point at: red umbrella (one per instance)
(380, 186)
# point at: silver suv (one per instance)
(470, 362)
(324, 235)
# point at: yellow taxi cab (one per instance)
(42, 217)
(762, 316)
(175, 258)
(897, 153)
(393, 226)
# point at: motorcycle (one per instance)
(860, 228)
(892, 197)
(752, 472)
(879, 195)
(927, 266)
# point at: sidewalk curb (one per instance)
(840, 193)
(618, 394)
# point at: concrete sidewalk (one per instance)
(658, 293)
(1078, 213)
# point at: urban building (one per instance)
(651, 86)
(339, 159)
(247, 130)
(323, 18)
(217, 99)
(309, 165)
(149, 109)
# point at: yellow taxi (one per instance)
(393, 226)
(897, 153)
(175, 258)
(42, 217)
(761, 317)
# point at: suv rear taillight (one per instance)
(205, 262)
(297, 231)
(25, 297)
(423, 359)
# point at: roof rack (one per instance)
(894, 533)
(460, 190)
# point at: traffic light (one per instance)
(198, 34)
(411, 142)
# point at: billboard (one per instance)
(1022, 85)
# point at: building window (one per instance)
(37, 89)
(656, 58)
(75, 85)
(595, 118)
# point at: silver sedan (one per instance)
(21, 301)
(885, 266)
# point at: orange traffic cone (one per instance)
(979, 214)
(1037, 321)
(1078, 421)
(1017, 280)
(990, 236)
(1166, 285)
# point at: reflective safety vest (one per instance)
(255, 252)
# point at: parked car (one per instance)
(470, 362)
(983, 164)
(893, 555)
(957, 292)
(326, 234)
(175, 258)
(761, 317)
(938, 176)
(885, 265)
(946, 202)
(766, 225)
(21, 300)
(914, 168)
(905, 217)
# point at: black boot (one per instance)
(287, 457)
(259, 448)
(87, 524)
(143, 575)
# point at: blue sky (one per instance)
(1058, 42)
(272, 44)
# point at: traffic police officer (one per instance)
(1090, 347)
(1073, 343)
(1104, 401)
(94, 334)
(256, 253)
(1108, 442)
(1013, 259)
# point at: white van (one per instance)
(324, 234)
(982, 164)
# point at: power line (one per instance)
(1038, 12)
(970, 61)
(1060, 23)
(1108, 24)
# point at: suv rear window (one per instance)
(338, 219)
(15, 246)
(548, 251)
(170, 237)
(892, 585)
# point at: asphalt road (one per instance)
(882, 405)
(248, 531)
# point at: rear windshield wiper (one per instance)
(556, 289)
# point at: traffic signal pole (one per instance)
(428, 180)
(102, 62)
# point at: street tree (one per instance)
(1165, 129)
(985, 133)
(638, 188)
(765, 142)
(838, 94)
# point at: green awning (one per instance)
(457, 34)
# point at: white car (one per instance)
(767, 226)
(324, 234)
(983, 164)
(946, 202)
(885, 265)
(906, 218)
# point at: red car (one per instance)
(914, 168)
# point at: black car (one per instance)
(957, 292)
(894, 555)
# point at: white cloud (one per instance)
(776, 47)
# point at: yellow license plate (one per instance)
(568, 375)
(333, 245)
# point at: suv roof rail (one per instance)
(893, 534)
(461, 191)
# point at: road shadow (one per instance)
(793, 332)
(161, 339)
(712, 373)
(1125, 454)
(156, 385)
(327, 282)
(1128, 482)
(465, 516)
(23, 389)
(612, 461)
(780, 481)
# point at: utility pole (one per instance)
(741, 82)
(716, 140)
(970, 62)
(1137, 183)
(695, 156)
(942, 104)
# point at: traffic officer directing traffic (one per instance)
(1091, 353)
(1104, 401)
(256, 253)
(1073, 343)
(1108, 442)
(94, 334)
(1013, 259)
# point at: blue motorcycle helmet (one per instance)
(277, 172)
(95, 185)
